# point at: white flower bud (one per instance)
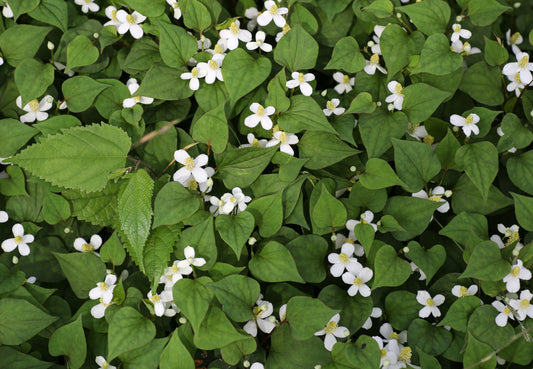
(370, 43)
(378, 222)
(125, 274)
(109, 271)
(531, 113)
(390, 107)
(66, 230)
(516, 252)
(506, 299)
(182, 320)
(346, 333)
(246, 364)
(209, 182)
(251, 241)
(353, 168)
(50, 100)
(399, 15)
(517, 5)
(272, 319)
(318, 366)
(324, 93)
(63, 105)
(96, 35)
(459, 18)
(467, 48)
(15, 260)
(406, 249)
(50, 45)
(448, 193)
(455, 129)
(333, 237)
(378, 103)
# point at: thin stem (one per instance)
(520, 97)
(147, 137)
(139, 161)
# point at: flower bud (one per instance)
(517, 5)
(324, 93)
(272, 319)
(50, 45)
(251, 241)
(353, 168)
(182, 320)
(459, 18)
(531, 113)
(378, 103)
(15, 260)
(370, 43)
(346, 333)
(398, 15)
(125, 274)
(455, 129)
(318, 366)
(66, 230)
(516, 252)
(333, 237)
(63, 105)
(50, 100)
(96, 35)
(406, 249)
(390, 107)
(448, 193)
(246, 364)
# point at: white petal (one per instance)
(181, 156)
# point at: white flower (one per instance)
(388, 357)
(211, 70)
(191, 166)
(159, 301)
(357, 276)
(1, 60)
(261, 314)
(220, 48)
(464, 49)
(35, 109)
(513, 40)
(343, 260)
(430, 304)
(104, 290)
(459, 32)
(436, 194)
(191, 259)
(511, 231)
(205, 187)
(518, 272)
(261, 114)
(403, 356)
(378, 30)
(130, 22)
(130, 102)
(365, 218)
(417, 131)
(462, 291)
(194, 75)
(272, 13)
(176, 6)
(415, 268)
(233, 34)
(6, 11)
(82, 246)
(251, 14)
(175, 272)
(332, 330)
(523, 305)
(259, 43)
(217, 205)
(332, 108)
(468, 124)
(4, 217)
(522, 66)
(285, 140)
(397, 97)
(98, 310)
(300, 79)
(345, 83)
(373, 64)
(505, 313)
(240, 199)
(20, 240)
(257, 366)
(282, 312)
(497, 240)
(286, 28)
(253, 142)
(103, 364)
(87, 5)
(62, 67)
(516, 84)
(389, 335)
(111, 13)
(376, 313)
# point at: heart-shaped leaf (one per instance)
(390, 270)
(429, 261)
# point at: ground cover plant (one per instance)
(281, 184)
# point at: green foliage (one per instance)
(69, 340)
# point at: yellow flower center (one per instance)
(192, 185)
(429, 140)
(523, 62)
(330, 105)
(394, 336)
(286, 28)
(130, 19)
(104, 365)
(346, 79)
(374, 59)
(189, 163)
(88, 1)
(358, 281)
(364, 221)
(512, 238)
(155, 298)
(411, 127)
(273, 9)
(260, 111)
(103, 286)
(524, 304)
(398, 89)
(435, 198)
(343, 258)
(218, 49)
(515, 271)
(349, 240)
(234, 28)
(301, 78)
(383, 352)
(176, 5)
(430, 302)
(34, 105)
(405, 354)
(137, 98)
(18, 240)
(255, 142)
(213, 64)
(275, 129)
(283, 138)
(463, 291)
(87, 247)
(517, 78)
(506, 310)
(257, 311)
(194, 72)
(457, 28)
(233, 199)
(469, 119)
(515, 37)
(331, 327)
(114, 15)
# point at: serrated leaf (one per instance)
(156, 253)
(79, 158)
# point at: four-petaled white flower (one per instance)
(430, 304)
(261, 114)
(4, 217)
(397, 97)
(511, 231)
(300, 79)
(272, 12)
(523, 305)
(130, 102)
(259, 42)
(176, 6)
(233, 34)
(191, 259)
(130, 22)
(20, 241)
(261, 318)
(365, 218)
(516, 84)
(389, 335)
(504, 313)
(373, 64)
(518, 272)
(462, 291)
(87, 5)
(332, 330)
(237, 198)
(389, 357)
(35, 109)
(285, 140)
(253, 142)
(345, 83)
(111, 13)
(468, 124)
(521, 66)
(194, 75)
(357, 276)
(251, 14)
(464, 48)
(6, 11)
(104, 290)
(159, 300)
(332, 108)
(211, 70)
(436, 194)
(103, 364)
(458, 31)
(257, 366)
(191, 167)
(83, 246)
(206, 186)
(342, 260)
(174, 273)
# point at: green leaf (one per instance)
(32, 79)
(54, 12)
(415, 162)
(175, 355)
(380, 8)
(483, 327)
(268, 213)
(512, 127)
(113, 251)
(332, 7)
(328, 212)
(480, 162)
(148, 8)
(495, 52)
(430, 339)
(242, 73)
(466, 197)
(304, 114)
(378, 128)
(429, 261)
(20, 321)
(193, 299)
(13, 135)
(80, 92)
(346, 56)
(460, 311)
(486, 117)
(363, 353)
(476, 352)
(128, 330)
(412, 213)
(21, 41)
(274, 263)
(300, 15)
(485, 12)
(54, 125)
(195, 15)
(421, 101)
(83, 271)
(390, 270)
(9, 357)
(15, 184)
(69, 340)
(277, 93)
(483, 84)
(486, 263)
(463, 225)
(55, 208)
(173, 204)
(81, 52)
(176, 45)
(400, 319)
(234, 352)
(521, 351)
(80, 158)
(297, 50)
(372, 199)
(156, 253)
(162, 82)
(397, 47)
(436, 57)
(524, 210)
(520, 171)
(323, 149)
(429, 16)
(202, 237)
(144, 53)
(145, 356)
(306, 316)
(237, 294)
(309, 252)
(19, 7)
(235, 230)
(378, 174)
(362, 103)
(212, 129)
(446, 150)
(241, 167)
(216, 331)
